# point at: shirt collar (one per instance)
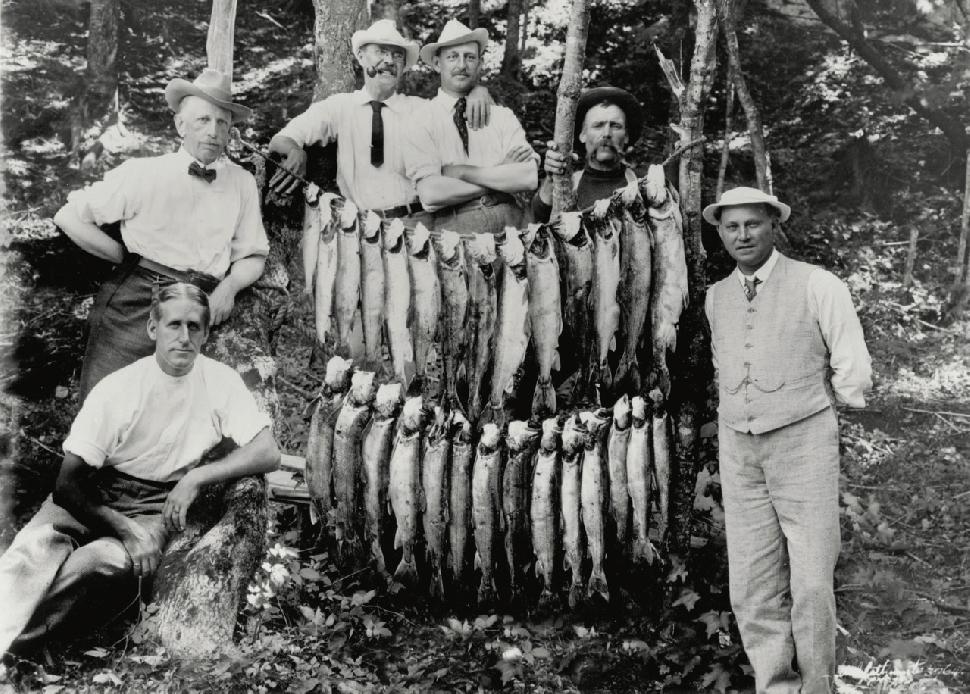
(446, 99)
(185, 159)
(762, 272)
(393, 102)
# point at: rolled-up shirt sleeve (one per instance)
(421, 158)
(239, 415)
(112, 199)
(849, 359)
(316, 124)
(250, 235)
(94, 432)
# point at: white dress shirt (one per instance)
(176, 219)
(831, 306)
(347, 119)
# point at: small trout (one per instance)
(435, 466)
(616, 455)
(325, 269)
(606, 281)
(482, 317)
(462, 457)
(426, 299)
(543, 511)
(347, 463)
(512, 338)
(634, 292)
(347, 299)
(577, 283)
(638, 455)
(487, 508)
(376, 453)
(319, 455)
(404, 487)
(522, 441)
(372, 289)
(661, 469)
(454, 293)
(573, 438)
(592, 494)
(397, 302)
(545, 318)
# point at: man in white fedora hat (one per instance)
(189, 216)
(369, 126)
(467, 178)
(788, 347)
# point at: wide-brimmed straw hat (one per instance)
(211, 85)
(622, 98)
(453, 34)
(384, 32)
(743, 195)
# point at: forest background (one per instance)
(863, 106)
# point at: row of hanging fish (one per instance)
(598, 294)
(537, 508)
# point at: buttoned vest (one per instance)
(773, 364)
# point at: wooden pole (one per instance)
(571, 83)
(222, 30)
(911, 256)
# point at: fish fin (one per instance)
(556, 364)
(406, 572)
(612, 347)
(597, 584)
(544, 400)
(478, 560)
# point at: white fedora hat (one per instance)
(211, 85)
(453, 34)
(385, 33)
(745, 196)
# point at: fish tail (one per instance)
(437, 584)
(486, 590)
(544, 400)
(597, 584)
(628, 373)
(546, 599)
(575, 595)
(407, 570)
(643, 551)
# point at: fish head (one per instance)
(325, 204)
(638, 409)
(655, 186)
(570, 226)
(393, 236)
(412, 414)
(657, 398)
(621, 412)
(348, 215)
(463, 428)
(449, 244)
(420, 239)
(601, 207)
(630, 192)
(312, 194)
(372, 226)
(482, 249)
(388, 398)
(520, 433)
(551, 430)
(573, 435)
(491, 435)
(338, 372)
(512, 249)
(362, 387)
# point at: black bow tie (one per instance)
(199, 171)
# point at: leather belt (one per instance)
(488, 200)
(206, 283)
(401, 210)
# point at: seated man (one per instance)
(608, 120)
(130, 470)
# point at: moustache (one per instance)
(386, 69)
(459, 73)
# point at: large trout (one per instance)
(435, 468)
(426, 299)
(573, 439)
(522, 441)
(376, 452)
(404, 487)
(320, 225)
(482, 316)
(487, 508)
(577, 283)
(347, 462)
(512, 337)
(544, 508)
(638, 475)
(372, 289)
(347, 300)
(545, 317)
(634, 290)
(460, 506)
(454, 293)
(605, 231)
(397, 302)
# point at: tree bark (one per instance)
(474, 11)
(728, 131)
(693, 370)
(854, 34)
(570, 85)
(336, 20)
(512, 59)
(526, 4)
(219, 42)
(100, 76)
(960, 290)
(729, 11)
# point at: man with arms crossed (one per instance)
(131, 470)
(788, 347)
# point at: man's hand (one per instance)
(554, 163)
(143, 548)
(518, 154)
(221, 302)
(478, 107)
(283, 182)
(177, 503)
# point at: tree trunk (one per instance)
(512, 59)
(222, 28)
(570, 85)
(100, 77)
(855, 35)
(336, 20)
(960, 291)
(728, 132)
(729, 11)
(693, 358)
(474, 10)
(525, 29)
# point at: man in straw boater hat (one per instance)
(608, 121)
(131, 471)
(467, 178)
(369, 126)
(788, 347)
(190, 216)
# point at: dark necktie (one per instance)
(199, 171)
(751, 288)
(460, 122)
(377, 134)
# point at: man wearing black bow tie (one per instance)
(188, 216)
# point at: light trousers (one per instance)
(781, 510)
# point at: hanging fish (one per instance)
(325, 265)
(522, 440)
(512, 336)
(319, 455)
(347, 462)
(347, 300)
(372, 289)
(544, 508)
(616, 455)
(454, 293)
(482, 316)
(669, 285)
(634, 291)
(545, 317)
(593, 496)
(404, 487)
(638, 475)
(577, 283)
(460, 487)
(397, 302)
(376, 454)
(313, 225)
(661, 469)
(487, 508)
(426, 299)
(606, 239)
(435, 468)
(573, 439)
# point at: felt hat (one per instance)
(622, 98)
(384, 32)
(211, 85)
(453, 34)
(743, 195)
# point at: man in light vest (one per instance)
(787, 347)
